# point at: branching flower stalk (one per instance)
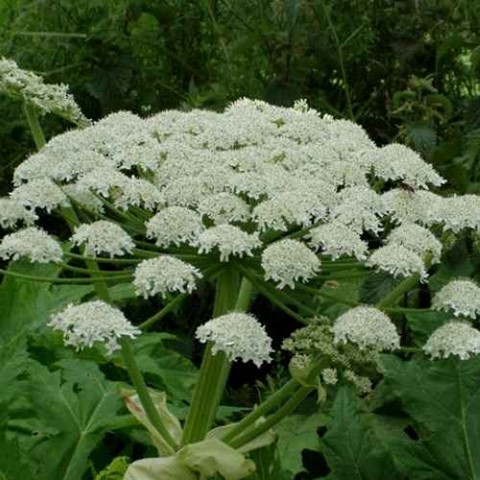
(257, 200)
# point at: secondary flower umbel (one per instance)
(239, 335)
(85, 324)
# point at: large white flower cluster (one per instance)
(239, 335)
(228, 184)
(367, 327)
(45, 97)
(86, 324)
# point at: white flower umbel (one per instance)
(417, 239)
(31, 243)
(224, 207)
(240, 335)
(289, 208)
(462, 296)
(31, 89)
(459, 212)
(91, 322)
(288, 261)
(165, 274)
(453, 338)
(174, 225)
(360, 209)
(336, 239)
(13, 212)
(41, 193)
(139, 193)
(397, 260)
(398, 162)
(103, 181)
(367, 327)
(103, 237)
(229, 240)
(418, 207)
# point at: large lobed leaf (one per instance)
(74, 407)
(353, 447)
(443, 399)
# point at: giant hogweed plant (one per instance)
(257, 199)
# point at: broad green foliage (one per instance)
(72, 408)
(443, 402)
(25, 306)
(167, 369)
(296, 433)
(352, 446)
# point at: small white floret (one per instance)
(336, 239)
(462, 296)
(288, 261)
(165, 274)
(41, 193)
(367, 327)
(417, 239)
(224, 207)
(91, 322)
(240, 335)
(229, 240)
(453, 338)
(12, 212)
(31, 243)
(397, 260)
(399, 162)
(103, 237)
(174, 225)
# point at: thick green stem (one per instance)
(403, 287)
(244, 296)
(281, 413)
(265, 407)
(34, 124)
(142, 391)
(214, 369)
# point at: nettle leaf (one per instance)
(443, 399)
(295, 434)
(352, 446)
(74, 406)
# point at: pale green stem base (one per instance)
(142, 391)
(215, 368)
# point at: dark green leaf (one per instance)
(352, 447)
(443, 398)
(296, 433)
(75, 406)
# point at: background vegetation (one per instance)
(405, 70)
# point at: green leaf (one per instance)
(13, 465)
(74, 407)
(26, 305)
(171, 370)
(351, 446)
(14, 361)
(443, 398)
(423, 324)
(296, 433)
